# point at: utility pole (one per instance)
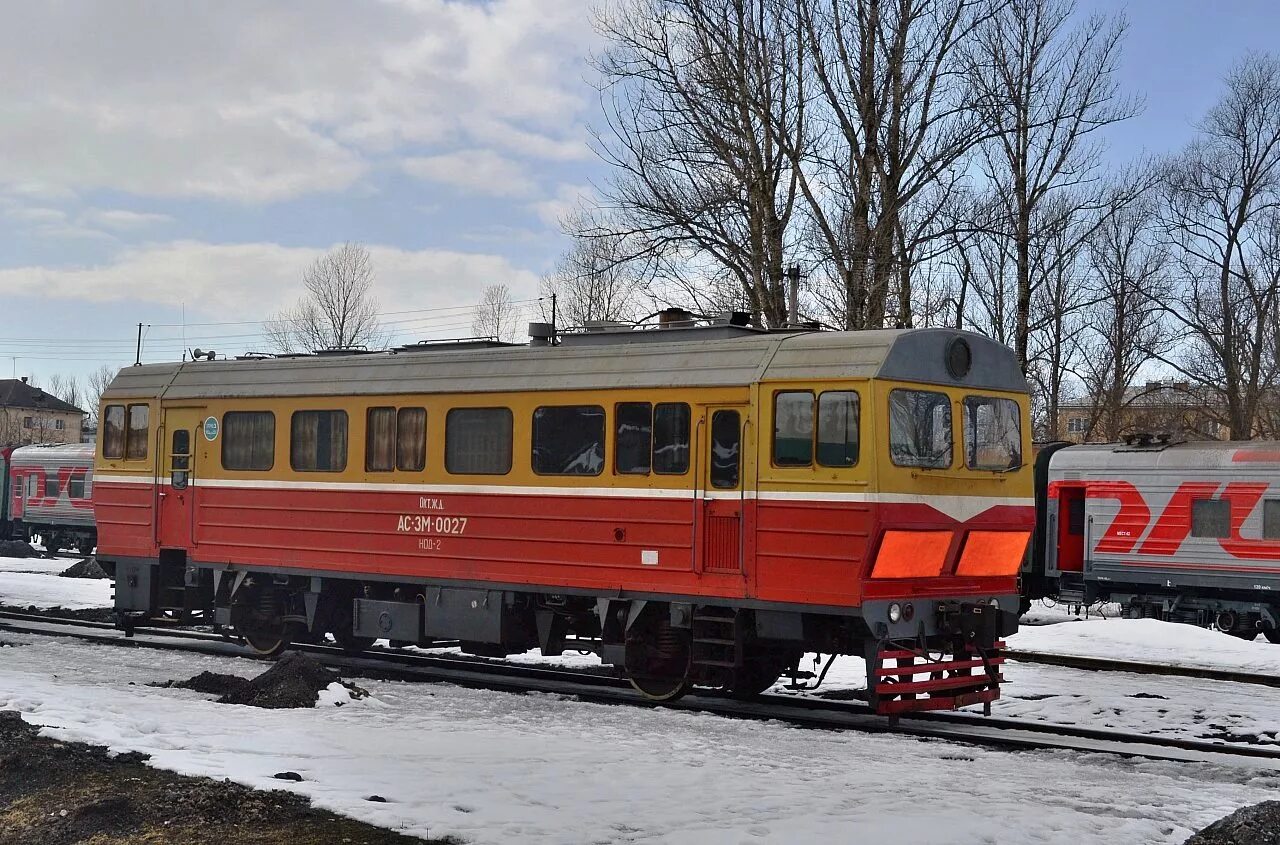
(137, 361)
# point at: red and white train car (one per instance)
(1187, 532)
(50, 494)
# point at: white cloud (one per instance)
(34, 214)
(567, 199)
(252, 281)
(122, 219)
(256, 102)
(476, 171)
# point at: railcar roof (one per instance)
(905, 354)
(1209, 454)
(51, 453)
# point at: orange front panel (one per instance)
(993, 552)
(912, 554)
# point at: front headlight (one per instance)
(895, 613)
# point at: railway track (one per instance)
(1102, 664)
(603, 688)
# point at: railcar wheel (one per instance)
(760, 673)
(257, 616)
(86, 548)
(658, 658)
(1272, 635)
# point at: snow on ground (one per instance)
(24, 589)
(1151, 641)
(29, 581)
(497, 767)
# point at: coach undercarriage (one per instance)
(665, 646)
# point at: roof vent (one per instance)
(675, 318)
(541, 334)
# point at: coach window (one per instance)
(920, 429)
(113, 432)
(248, 440)
(838, 412)
(396, 439)
(318, 441)
(33, 486)
(633, 438)
(75, 486)
(726, 449)
(477, 441)
(651, 438)
(992, 433)
(1271, 519)
(793, 428)
(135, 446)
(51, 489)
(568, 440)
(1210, 518)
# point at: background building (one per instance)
(30, 415)
(1171, 407)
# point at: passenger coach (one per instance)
(700, 505)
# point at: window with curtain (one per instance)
(135, 447)
(318, 441)
(113, 431)
(248, 440)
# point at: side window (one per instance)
(135, 447)
(411, 439)
(992, 433)
(318, 441)
(568, 440)
(1075, 516)
(793, 428)
(33, 486)
(1210, 518)
(726, 449)
(1271, 519)
(633, 438)
(248, 440)
(477, 441)
(113, 432)
(651, 438)
(838, 412)
(51, 489)
(75, 486)
(920, 429)
(380, 440)
(396, 439)
(671, 438)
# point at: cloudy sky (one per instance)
(182, 162)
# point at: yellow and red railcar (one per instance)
(702, 505)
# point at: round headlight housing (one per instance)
(994, 603)
(895, 613)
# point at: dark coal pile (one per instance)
(1256, 825)
(62, 793)
(210, 683)
(87, 568)
(294, 681)
(16, 548)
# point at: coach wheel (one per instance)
(86, 548)
(1272, 633)
(51, 545)
(760, 672)
(257, 616)
(658, 658)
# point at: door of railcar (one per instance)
(176, 486)
(1071, 524)
(722, 490)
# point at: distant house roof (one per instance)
(15, 393)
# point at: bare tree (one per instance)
(1222, 218)
(98, 382)
(496, 316)
(337, 311)
(66, 388)
(1043, 91)
(900, 124)
(697, 96)
(1129, 273)
(594, 280)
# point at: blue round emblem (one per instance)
(211, 428)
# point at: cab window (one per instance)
(920, 429)
(113, 432)
(135, 447)
(992, 433)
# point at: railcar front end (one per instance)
(50, 495)
(700, 507)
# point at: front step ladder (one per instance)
(717, 640)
